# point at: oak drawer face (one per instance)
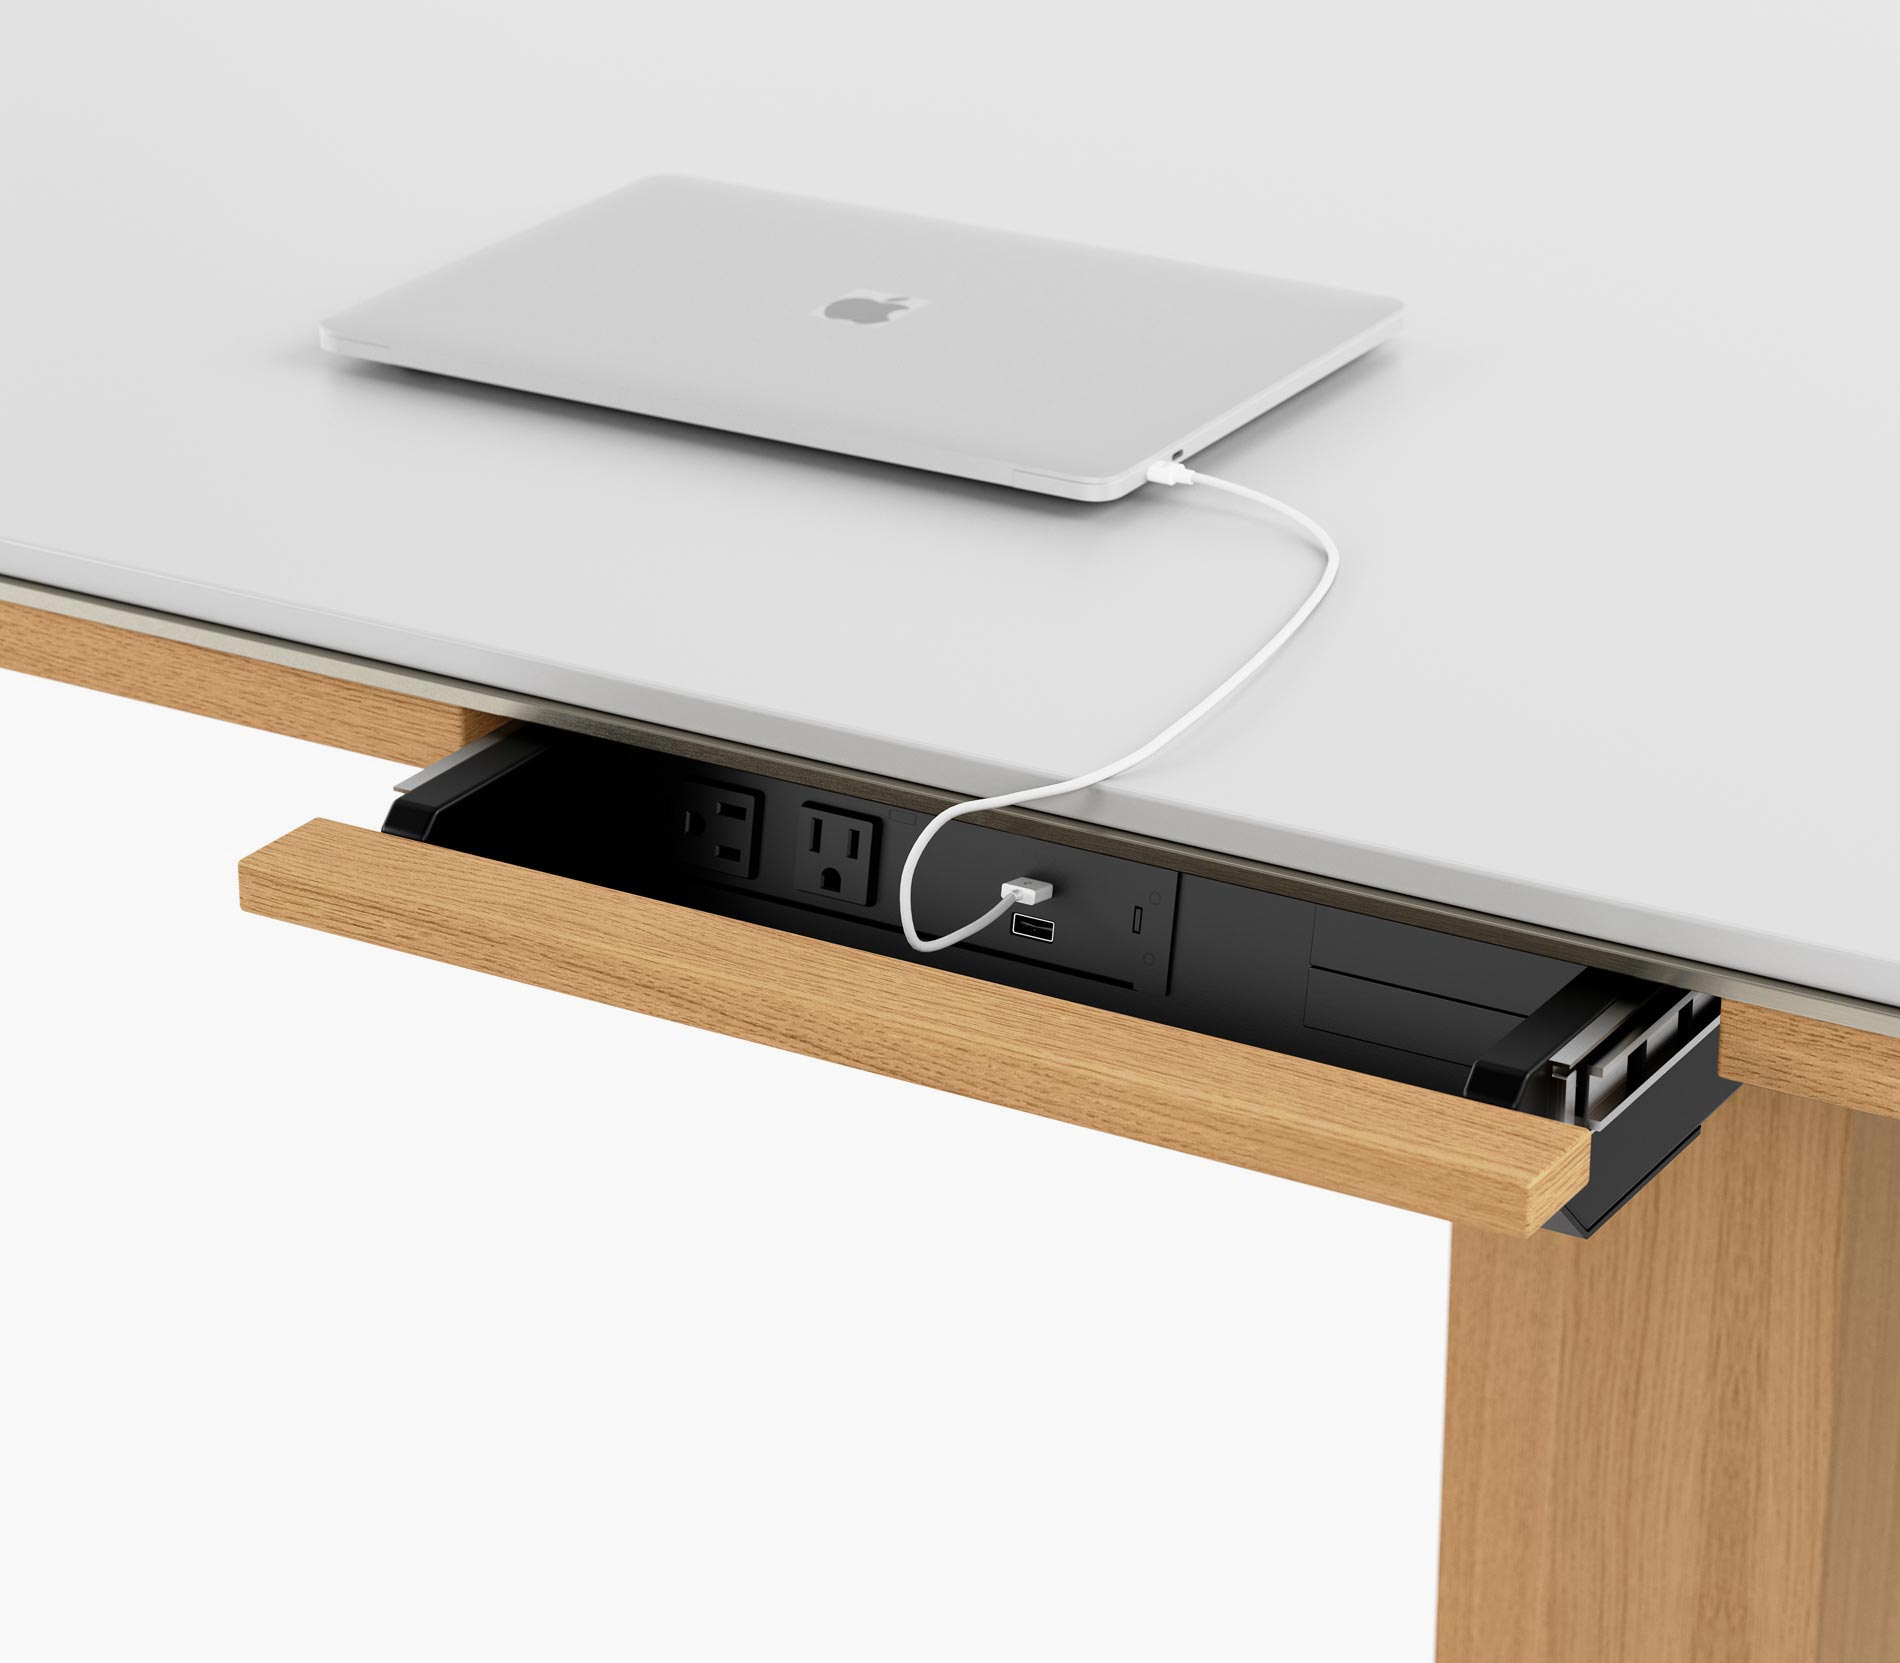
(1174, 953)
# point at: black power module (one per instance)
(1633, 1062)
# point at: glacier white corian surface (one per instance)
(1613, 647)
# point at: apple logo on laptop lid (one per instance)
(868, 306)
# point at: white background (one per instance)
(356, 1307)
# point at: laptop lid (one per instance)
(1020, 360)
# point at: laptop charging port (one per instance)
(1037, 929)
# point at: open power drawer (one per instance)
(1631, 1062)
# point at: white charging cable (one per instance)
(1031, 892)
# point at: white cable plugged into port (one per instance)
(1030, 892)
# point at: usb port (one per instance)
(1037, 929)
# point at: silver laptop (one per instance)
(1015, 359)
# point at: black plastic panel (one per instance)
(1364, 1009)
(1473, 972)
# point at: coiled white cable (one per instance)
(1031, 892)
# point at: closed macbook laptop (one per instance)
(1016, 359)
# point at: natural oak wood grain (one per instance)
(1860, 1582)
(1810, 1058)
(1648, 1455)
(1394, 1143)
(299, 703)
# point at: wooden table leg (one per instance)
(1681, 1441)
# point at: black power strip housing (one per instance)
(1531, 1032)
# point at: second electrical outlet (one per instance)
(837, 855)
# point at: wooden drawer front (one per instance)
(1468, 1162)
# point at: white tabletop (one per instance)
(1612, 650)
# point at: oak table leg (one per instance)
(1681, 1441)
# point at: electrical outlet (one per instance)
(836, 858)
(717, 828)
